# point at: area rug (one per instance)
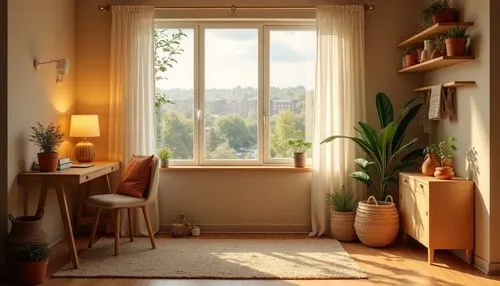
(218, 259)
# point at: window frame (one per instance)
(264, 27)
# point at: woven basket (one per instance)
(342, 225)
(377, 223)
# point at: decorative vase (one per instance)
(47, 162)
(342, 225)
(410, 60)
(195, 231)
(444, 173)
(377, 223)
(299, 159)
(429, 165)
(455, 47)
(31, 273)
(446, 15)
(24, 230)
(163, 163)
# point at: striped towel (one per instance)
(436, 103)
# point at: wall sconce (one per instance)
(62, 66)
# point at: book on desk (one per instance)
(63, 164)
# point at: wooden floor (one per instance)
(401, 264)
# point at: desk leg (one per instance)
(70, 240)
(41, 200)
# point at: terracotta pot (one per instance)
(299, 159)
(47, 162)
(455, 47)
(444, 173)
(24, 230)
(32, 272)
(410, 60)
(430, 164)
(342, 225)
(446, 15)
(163, 163)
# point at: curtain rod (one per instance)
(234, 8)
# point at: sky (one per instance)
(231, 59)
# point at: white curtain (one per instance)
(132, 93)
(339, 102)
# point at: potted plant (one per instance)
(445, 150)
(342, 214)
(410, 58)
(455, 41)
(431, 162)
(32, 263)
(299, 147)
(438, 11)
(387, 153)
(164, 153)
(47, 139)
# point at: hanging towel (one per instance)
(436, 103)
(424, 120)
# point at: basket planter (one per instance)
(377, 222)
(342, 225)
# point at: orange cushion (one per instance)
(136, 179)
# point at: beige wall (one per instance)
(43, 29)
(472, 126)
(256, 200)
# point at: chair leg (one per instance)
(117, 230)
(94, 227)
(148, 225)
(130, 225)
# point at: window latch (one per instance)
(265, 118)
(198, 114)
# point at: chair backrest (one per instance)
(154, 179)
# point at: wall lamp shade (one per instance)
(62, 67)
(84, 126)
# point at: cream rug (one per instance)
(218, 258)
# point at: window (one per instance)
(233, 93)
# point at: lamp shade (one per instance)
(84, 126)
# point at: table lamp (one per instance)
(84, 126)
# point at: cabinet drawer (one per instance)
(421, 186)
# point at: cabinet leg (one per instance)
(430, 256)
(468, 255)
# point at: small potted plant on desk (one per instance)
(342, 215)
(299, 147)
(445, 151)
(47, 138)
(33, 260)
(164, 153)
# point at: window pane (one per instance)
(231, 94)
(291, 88)
(175, 119)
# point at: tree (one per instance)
(233, 130)
(286, 127)
(176, 131)
(223, 151)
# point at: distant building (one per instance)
(278, 105)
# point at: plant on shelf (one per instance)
(32, 263)
(445, 151)
(455, 41)
(299, 148)
(342, 214)
(387, 154)
(409, 58)
(164, 153)
(47, 139)
(438, 11)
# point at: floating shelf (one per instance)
(437, 63)
(435, 29)
(448, 84)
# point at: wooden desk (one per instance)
(60, 181)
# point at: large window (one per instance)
(233, 93)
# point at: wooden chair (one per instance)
(117, 202)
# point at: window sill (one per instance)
(267, 168)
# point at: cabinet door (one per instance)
(406, 210)
(421, 217)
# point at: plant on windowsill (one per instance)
(387, 153)
(164, 153)
(299, 148)
(47, 139)
(455, 41)
(445, 151)
(342, 214)
(32, 263)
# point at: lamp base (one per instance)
(84, 151)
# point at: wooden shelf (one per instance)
(447, 84)
(433, 30)
(437, 63)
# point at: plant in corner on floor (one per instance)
(299, 148)
(164, 153)
(342, 214)
(32, 265)
(47, 139)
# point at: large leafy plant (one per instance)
(386, 150)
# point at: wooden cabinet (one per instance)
(437, 213)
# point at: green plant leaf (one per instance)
(362, 177)
(384, 109)
(403, 125)
(363, 163)
(415, 154)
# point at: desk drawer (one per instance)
(98, 173)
